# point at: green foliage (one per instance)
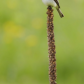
(23, 42)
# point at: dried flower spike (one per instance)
(51, 46)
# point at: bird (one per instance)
(54, 3)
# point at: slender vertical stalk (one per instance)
(51, 46)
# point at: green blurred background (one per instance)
(23, 42)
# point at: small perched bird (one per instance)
(55, 4)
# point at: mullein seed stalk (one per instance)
(51, 46)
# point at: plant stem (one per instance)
(51, 46)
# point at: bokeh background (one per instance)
(23, 42)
